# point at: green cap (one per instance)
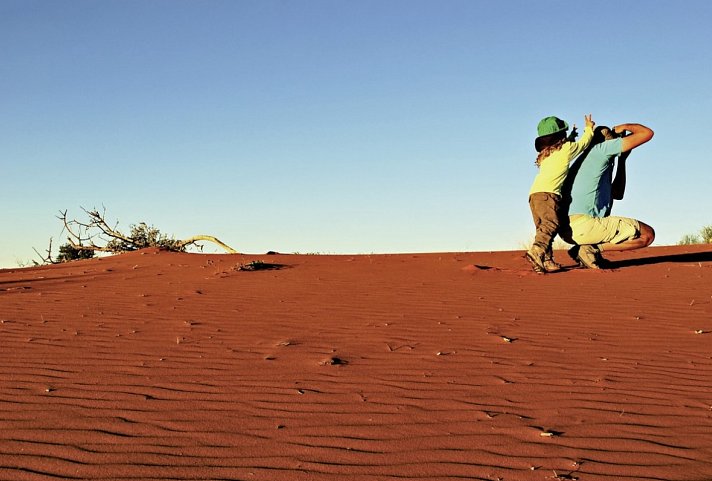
(550, 130)
(551, 125)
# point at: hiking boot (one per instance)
(535, 256)
(551, 266)
(589, 256)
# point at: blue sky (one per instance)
(338, 126)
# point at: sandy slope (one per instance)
(455, 366)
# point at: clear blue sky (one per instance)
(339, 126)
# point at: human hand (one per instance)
(574, 133)
(589, 121)
(620, 131)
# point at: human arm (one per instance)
(586, 138)
(639, 134)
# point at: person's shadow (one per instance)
(689, 257)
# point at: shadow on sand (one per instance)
(690, 257)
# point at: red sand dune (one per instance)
(453, 366)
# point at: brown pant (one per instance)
(545, 208)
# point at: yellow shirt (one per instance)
(553, 169)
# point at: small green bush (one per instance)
(68, 252)
(703, 237)
(142, 236)
(706, 234)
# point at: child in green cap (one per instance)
(556, 151)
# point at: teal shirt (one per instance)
(589, 180)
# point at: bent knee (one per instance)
(647, 233)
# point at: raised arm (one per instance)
(639, 134)
(586, 138)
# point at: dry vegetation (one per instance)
(87, 237)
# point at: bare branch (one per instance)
(208, 238)
(46, 259)
(99, 221)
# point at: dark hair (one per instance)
(599, 136)
(541, 143)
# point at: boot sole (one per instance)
(538, 268)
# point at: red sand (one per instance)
(155, 365)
